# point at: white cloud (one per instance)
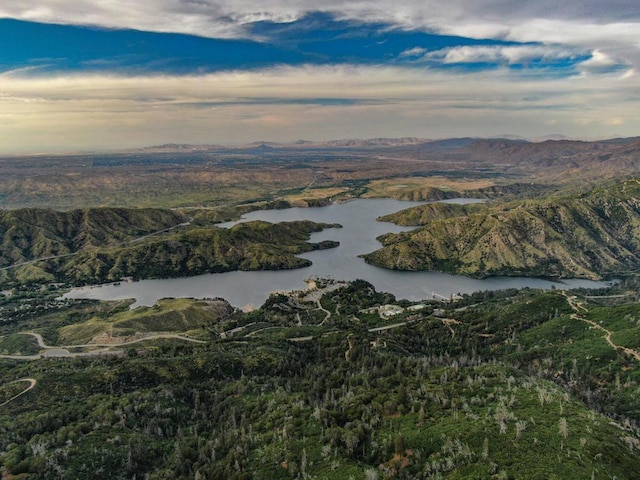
(599, 61)
(611, 27)
(510, 55)
(414, 52)
(86, 111)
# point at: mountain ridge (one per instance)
(591, 236)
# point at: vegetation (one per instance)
(590, 236)
(330, 383)
(32, 233)
(494, 385)
(102, 245)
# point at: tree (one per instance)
(563, 427)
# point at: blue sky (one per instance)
(75, 75)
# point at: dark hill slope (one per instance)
(247, 246)
(31, 233)
(107, 244)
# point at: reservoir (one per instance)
(358, 236)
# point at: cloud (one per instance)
(414, 52)
(583, 81)
(599, 62)
(69, 112)
(210, 17)
(611, 27)
(510, 55)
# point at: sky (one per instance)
(79, 75)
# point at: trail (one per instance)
(577, 306)
(447, 322)
(347, 354)
(327, 312)
(32, 383)
(316, 295)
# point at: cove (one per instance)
(358, 236)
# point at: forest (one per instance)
(507, 384)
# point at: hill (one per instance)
(589, 236)
(101, 245)
(246, 246)
(30, 233)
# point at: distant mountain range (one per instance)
(428, 143)
(181, 174)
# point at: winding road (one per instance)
(32, 383)
(154, 336)
(63, 350)
(577, 307)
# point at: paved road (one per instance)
(52, 257)
(252, 334)
(161, 231)
(388, 327)
(154, 336)
(63, 352)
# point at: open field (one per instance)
(419, 188)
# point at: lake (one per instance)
(358, 236)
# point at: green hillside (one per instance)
(589, 236)
(513, 384)
(30, 233)
(101, 245)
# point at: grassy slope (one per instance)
(168, 315)
(31, 233)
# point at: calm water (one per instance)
(357, 236)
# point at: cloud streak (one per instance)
(288, 103)
(609, 26)
(509, 55)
